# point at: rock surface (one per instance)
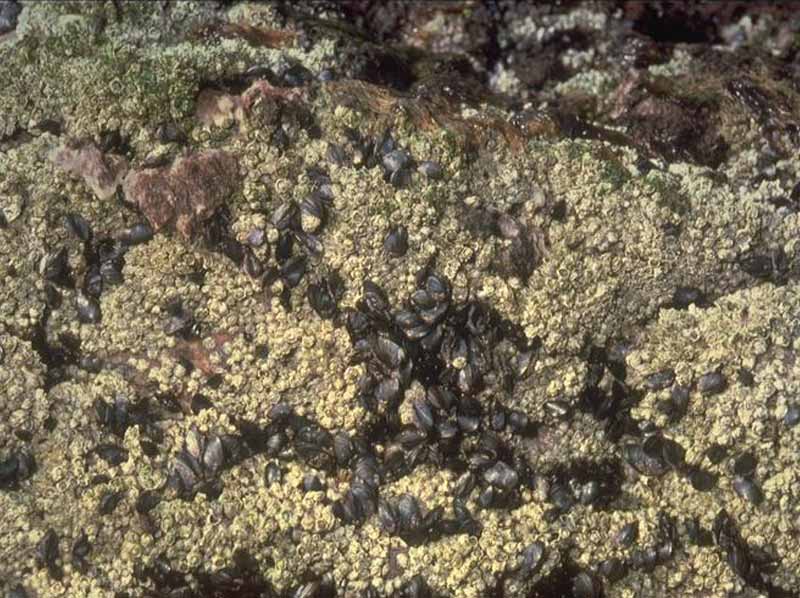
(185, 194)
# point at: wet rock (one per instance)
(185, 194)
(421, 407)
(260, 104)
(670, 122)
(217, 108)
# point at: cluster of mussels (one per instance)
(450, 350)
(299, 227)
(453, 351)
(751, 563)
(649, 452)
(197, 465)
(396, 162)
(16, 467)
(103, 262)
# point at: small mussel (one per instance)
(613, 569)
(702, 480)
(137, 234)
(502, 476)
(112, 454)
(312, 213)
(272, 474)
(312, 483)
(54, 267)
(745, 377)
(695, 533)
(181, 321)
(748, 490)
(15, 468)
(519, 422)
(88, 308)
(627, 534)
(196, 467)
(745, 464)
(716, 453)
(586, 585)
(711, 383)
(52, 296)
(293, 270)
(109, 501)
(251, 265)
(677, 404)
(147, 501)
(48, 554)
(324, 295)
(80, 550)
(78, 226)
(396, 241)
(660, 380)
(792, 416)
(532, 560)
(93, 281)
(286, 216)
(396, 160)
(649, 463)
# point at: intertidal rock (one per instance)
(101, 172)
(185, 194)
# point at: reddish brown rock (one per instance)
(678, 122)
(185, 194)
(101, 172)
(216, 108)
